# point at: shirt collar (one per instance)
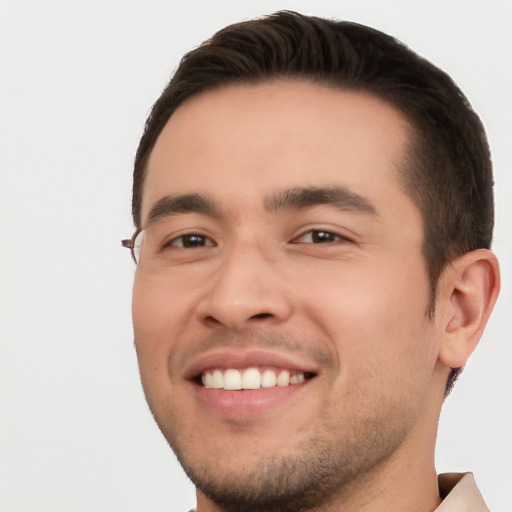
(460, 493)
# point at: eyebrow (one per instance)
(339, 197)
(187, 203)
(295, 198)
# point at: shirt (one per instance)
(459, 493)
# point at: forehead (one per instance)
(247, 142)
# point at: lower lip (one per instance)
(247, 403)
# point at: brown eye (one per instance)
(318, 236)
(191, 241)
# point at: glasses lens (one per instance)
(137, 246)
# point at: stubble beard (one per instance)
(341, 455)
(324, 470)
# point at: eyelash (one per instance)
(197, 240)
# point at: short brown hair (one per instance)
(448, 171)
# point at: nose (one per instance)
(246, 289)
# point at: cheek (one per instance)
(373, 314)
(366, 292)
(154, 312)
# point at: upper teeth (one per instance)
(251, 378)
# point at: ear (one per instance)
(468, 290)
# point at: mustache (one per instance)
(273, 341)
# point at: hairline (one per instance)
(413, 131)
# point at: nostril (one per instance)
(262, 315)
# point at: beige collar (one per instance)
(460, 493)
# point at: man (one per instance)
(314, 212)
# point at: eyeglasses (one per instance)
(161, 245)
(134, 244)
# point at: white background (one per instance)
(77, 79)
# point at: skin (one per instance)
(361, 434)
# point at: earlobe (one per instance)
(469, 287)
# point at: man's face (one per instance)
(279, 239)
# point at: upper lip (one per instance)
(245, 359)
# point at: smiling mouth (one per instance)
(232, 379)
